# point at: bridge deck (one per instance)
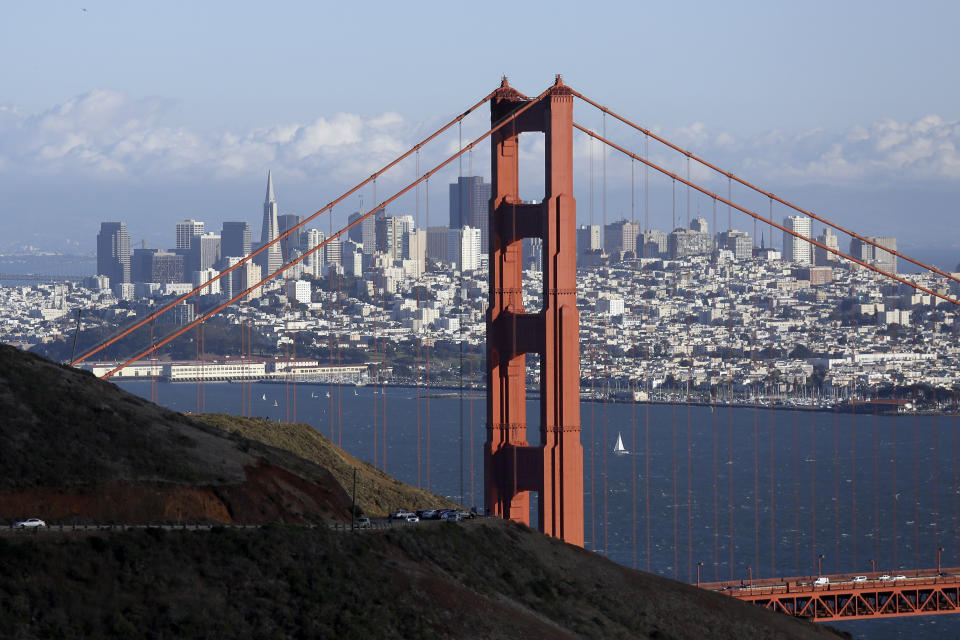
(918, 594)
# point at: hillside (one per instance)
(377, 493)
(483, 579)
(76, 449)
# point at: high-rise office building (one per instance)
(736, 242)
(313, 263)
(463, 248)
(390, 232)
(822, 257)
(652, 244)
(272, 258)
(438, 240)
(113, 252)
(470, 206)
(156, 265)
(186, 229)
(235, 239)
(620, 236)
(588, 238)
(291, 243)
(204, 252)
(699, 224)
(875, 256)
(687, 242)
(415, 247)
(795, 249)
(332, 250)
(365, 233)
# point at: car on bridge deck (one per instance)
(859, 579)
(822, 581)
(885, 578)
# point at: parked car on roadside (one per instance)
(412, 518)
(29, 523)
(401, 514)
(363, 523)
(450, 516)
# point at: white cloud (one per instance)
(107, 133)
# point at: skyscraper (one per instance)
(204, 253)
(469, 206)
(272, 258)
(795, 249)
(186, 229)
(113, 252)
(235, 239)
(620, 236)
(291, 242)
(365, 233)
(313, 263)
(588, 238)
(463, 248)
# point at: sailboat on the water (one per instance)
(619, 449)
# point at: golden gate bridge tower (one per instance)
(514, 467)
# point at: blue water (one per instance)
(843, 486)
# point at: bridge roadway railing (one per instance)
(924, 592)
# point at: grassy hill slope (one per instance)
(377, 493)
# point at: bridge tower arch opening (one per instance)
(553, 468)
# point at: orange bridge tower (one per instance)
(553, 467)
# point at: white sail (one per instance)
(618, 448)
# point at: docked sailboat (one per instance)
(619, 449)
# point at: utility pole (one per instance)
(353, 509)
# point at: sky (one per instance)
(153, 112)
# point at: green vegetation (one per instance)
(487, 579)
(377, 493)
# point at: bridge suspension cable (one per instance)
(296, 228)
(690, 155)
(757, 216)
(508, 119)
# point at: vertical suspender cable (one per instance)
(689, 490)
(419, 378)
(756, 485)
(836, 488)
(813, 476)
(730, 478)
(916, 484)
(427, 212)
(876, 482)
(853, 481)
(460, 303)
(936, 475)
(676, 505)
(633, 403)
(896, 494)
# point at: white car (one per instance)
(412, 518)
(885, 578)
(900, 577)
(29, 523)
(859, 579)
(822, 581)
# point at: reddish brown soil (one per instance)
(270, 494)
